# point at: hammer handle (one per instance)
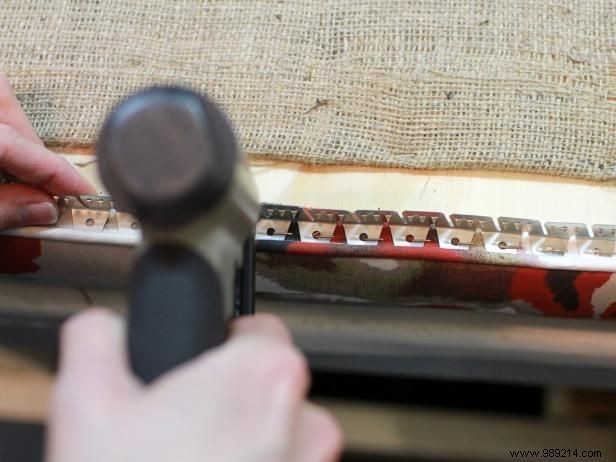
(176, 310)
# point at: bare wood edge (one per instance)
(376, 428)
(384, 332)
(25, 387)
(479, 193)
(403, 431)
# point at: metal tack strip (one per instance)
(364, 227)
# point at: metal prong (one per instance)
(317, 235)
(597, 252)
(552, 250)
(82, 202)
(504, 246)
(455, 241)
(109, 217)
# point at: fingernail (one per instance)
(43, 213)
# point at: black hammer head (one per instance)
(166, 154)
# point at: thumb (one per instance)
(22, 205)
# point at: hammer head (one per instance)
(167, 155)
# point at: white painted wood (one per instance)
(479, 193)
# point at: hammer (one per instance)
(169, 156)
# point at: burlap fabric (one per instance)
(504, 84)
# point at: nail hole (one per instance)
(316, 234)
(455, 241)
(410, 238)
(270, 231)
(90, 222)
(363, 237)
(502, 245)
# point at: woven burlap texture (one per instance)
(466, 84)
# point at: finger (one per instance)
(92, 354)
(276, 371)
(259, 348)
(318, 436)
(34, 164)
(12, 114)
(262, 347)
(258, 367)
(262, 324)
(22, 205)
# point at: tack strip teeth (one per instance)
(319, 225)
(414, 227)
(473, 222)
(603, 244)
(562, 239)
(605, 232)
(279, 212)
(511, 225)
(469, 232)
(94, 213)
(86, 202)
(567, 230)
(275, 222)
(405, 234)
(364, 227)
(429, 219)
(516, 236)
